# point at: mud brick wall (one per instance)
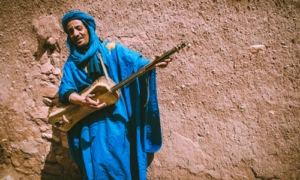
(229, 103)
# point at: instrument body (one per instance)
(65, 116)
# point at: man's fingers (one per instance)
(90, 95)
(162, 64)
(100, 106)
(92, 102)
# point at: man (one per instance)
(114, 141)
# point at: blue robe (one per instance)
(112, 143)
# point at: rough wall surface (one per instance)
(229, 103)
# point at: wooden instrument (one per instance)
(65, 116)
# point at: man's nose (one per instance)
(76, 32)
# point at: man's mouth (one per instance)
(79, 39)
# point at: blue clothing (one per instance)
(112, 143)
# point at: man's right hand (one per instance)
(87, 101)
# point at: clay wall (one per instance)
(229, 103)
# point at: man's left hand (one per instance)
(162, 64)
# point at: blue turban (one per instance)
(95, 46)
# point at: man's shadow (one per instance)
(58, 162)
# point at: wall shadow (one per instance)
(58, 162)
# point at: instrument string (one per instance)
(138, 73)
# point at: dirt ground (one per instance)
(229, 103)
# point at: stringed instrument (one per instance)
(65, 116)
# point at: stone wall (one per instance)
(229, 103)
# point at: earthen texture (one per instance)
(229, 103)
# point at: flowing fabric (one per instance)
(112, 143)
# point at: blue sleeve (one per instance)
(149, 115)
(67, 83)
(132, 57)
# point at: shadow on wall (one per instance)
(58, 162)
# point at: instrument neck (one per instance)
(143, 70)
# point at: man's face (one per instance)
(78, 33)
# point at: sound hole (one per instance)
(58, 124)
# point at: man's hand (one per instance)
(162, 64)
(87, 101)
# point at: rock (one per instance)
(43, 158)
(28, 147)
(64, 139)
(26, 53)
(264, 169)
(30, 163)
(51, 157)
(143, 36)
(27, 77)
(47, 101)
(43, 112)
(40, 113)
(24, 171)
(58, 150)
(47, 146)
(55, 169)
(50, 136)
(16, 107)
(8, 177)
(52, 78)
(46, 68)
(51, 42)
(60, 159)
(44, 128)
(46, 27)
(14, 146)
(257, 48)
(44, 58)
(188, 154)
(250, 19)
(214, 174)
(56, 139)
(55, 59)
(56, 71)
(40, 76)
(39, 140)
(7, 161)
(15, 161)
(46, 135)
(48, 90)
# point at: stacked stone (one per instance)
(42, 150)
